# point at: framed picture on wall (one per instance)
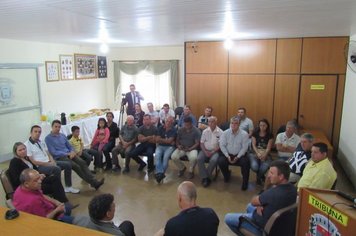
(66, 67)
(85, 66)
(52, 73)
(102, 68)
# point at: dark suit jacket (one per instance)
(130, 110)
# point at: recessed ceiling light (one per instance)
(104, 48)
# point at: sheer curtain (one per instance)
(155, 80)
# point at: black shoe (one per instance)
(108, 168)
(160, 177)
(150, 169)
(206, 182)
(142, 165)
(70, 206)
(126, 170)
(227, 177)
(98, 184)
(259, 181)
(244, 186)
(181, 172)
(116, 169)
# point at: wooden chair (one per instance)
(6, 184)
(282, 222)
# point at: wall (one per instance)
(76, 95)
(81, 95)
(347, 148)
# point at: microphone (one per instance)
(347, 196)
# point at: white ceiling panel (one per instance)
(172, 22)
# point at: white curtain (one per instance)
(155, 80)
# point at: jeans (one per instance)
(192, 157)
(258, 166)
(232, 220)
(213, 162)
(98, 161)
(50, 170)
(148, 149)
(106, 150)
(119, 149)
(81, 168)
(67, 167)
(163, 153)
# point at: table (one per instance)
(87, 127)
(27, 224)
(319, 136)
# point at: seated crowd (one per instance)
(36, 167)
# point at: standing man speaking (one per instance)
(131, 98)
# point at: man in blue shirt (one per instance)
(63, 153)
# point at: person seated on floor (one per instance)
(246, 123)
(234, 145)
(209, 144)
(165, 139)
(165, 113)
(187, 113)
(51, 184)
(28, 198)
(101, 213)
(80, 151)
(154, 114)
(192, 220)
(38, 154)
(138, 116)
(262, 141)
(64, 155)
(203, 119)
(128, 138)
(146, 136)
(262, 207)
(187, 143)
(300, 157)
(287, 142)
(319, 172)
(114, 133)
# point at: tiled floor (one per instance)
(149, 205)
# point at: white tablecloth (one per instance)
(87, 128)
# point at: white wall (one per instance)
(347, 147)
(82, 95)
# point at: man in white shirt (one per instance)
(38, 153)
(165, 113)
(154, 114)
(287, 142)
(209, 144)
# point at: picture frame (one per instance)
(52, 72)
(66, 63)
(85, 66)
(102, 67)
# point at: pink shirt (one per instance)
(101, 136)
(32, 202)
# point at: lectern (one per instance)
(324, 213)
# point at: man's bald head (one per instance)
(187, 192)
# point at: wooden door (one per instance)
(317, 103)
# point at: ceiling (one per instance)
(130, 23)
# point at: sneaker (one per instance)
(206, 182)
(181, 172)
(71, 190)
(160, 177)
